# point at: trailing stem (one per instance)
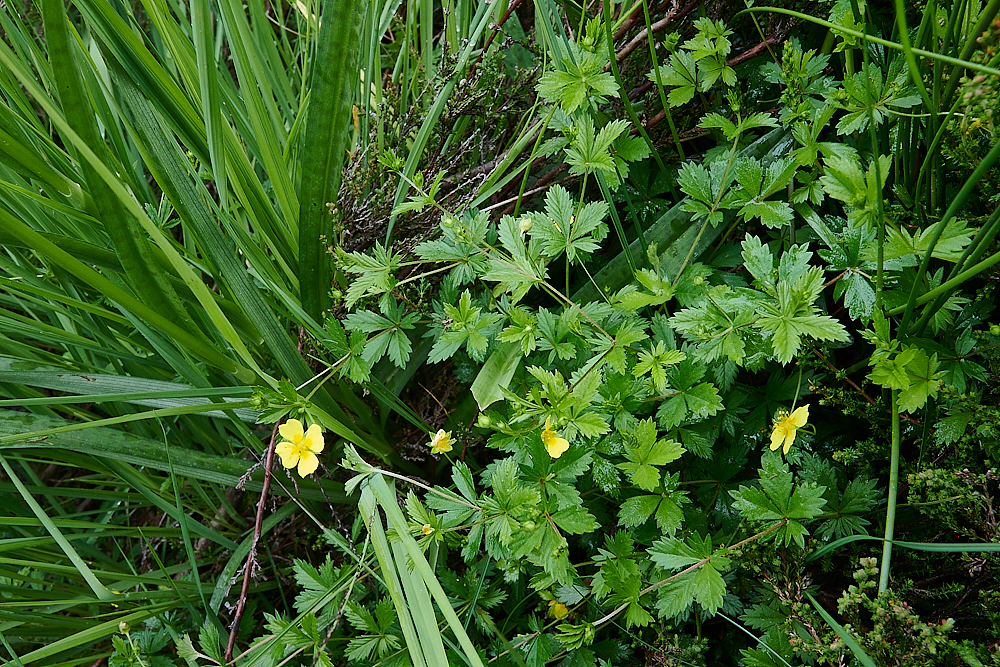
(890, 513)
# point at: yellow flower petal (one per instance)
(558, 610)
(557, 446)
(291, 430)
(287, 452)
(553, 443)
(308, 464)
(314, 438)
(778, 433)
(789, 439)
(799, 416)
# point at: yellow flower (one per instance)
(300, 447)
(441, 442)
(558, 610)
(427, 529)
(557, 446)
(785, 426)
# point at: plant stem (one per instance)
(251, 566)
(890, 513)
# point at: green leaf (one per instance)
(584, 77)
(496, 373)
(655, 362)
(913, 372)
(559, 230)
(681, 72)
(925, 381)
(575, 520)
(778, 498)
(467, 328)
(704, 584)
(333, 80)
(590, 151)
(953, 241)
(950, 429)
(644, 452)
(390, 336)
(375, 273)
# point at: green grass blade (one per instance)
(261, 111)
(397, 522)
(208, 89)
(99, 589)
(334, 78)
(130, 244)
(847, 638)
(94, 633)
(95, 280)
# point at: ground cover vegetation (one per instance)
(513, 333)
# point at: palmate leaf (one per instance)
(390, 336)
(590, 150)
(316, 583)
(665, 509)
(466, 328)
(779, 498)
(706, 187)
(859, 497)
(584, 77)
(913, 372)
(703, 585)
(655, 362)
(865, 96)
(682, 73)
(692, 400)
(376, 273)
(793, 313)
(517, 272)
(560, 230)
(845, 180)
(955, 237)
(756, 185)
(644, 452)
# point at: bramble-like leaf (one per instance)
(590, 150)
(559, 230)
(704, 584)
(779, 498)
(644, 452)
(583, 77)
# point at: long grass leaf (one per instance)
(146, 453)
(99, 589)
(131, 246)
(397, 522)
(94, 633)
(333, 76)
(844, 635)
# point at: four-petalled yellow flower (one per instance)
(300, 447)
(557, 446)
(441, 442)
(785, 427)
